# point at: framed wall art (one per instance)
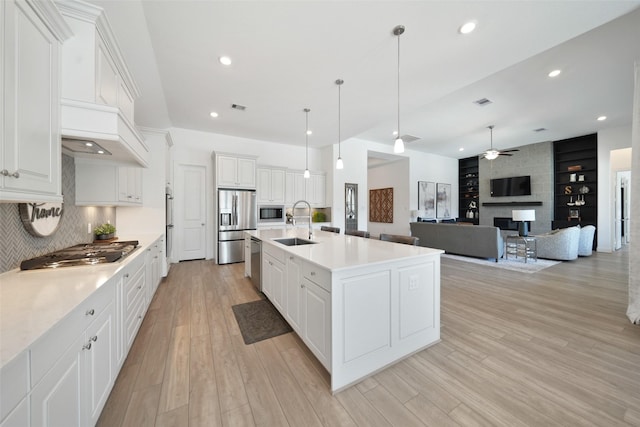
(381, 205)
(427, 199)
(443, 200)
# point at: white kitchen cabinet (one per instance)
(99, 183)
(130, 185)
(315, 187)
(75, 390)
(294, 290)
(134, 300)
(154, 259)
(19, 417)
(14, 386)
(270, 186)
(311, 189)
(316, 309)
(30, 162)
(235, 172)
(273, 276)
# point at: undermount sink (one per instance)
(294, 241)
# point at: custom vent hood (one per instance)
(98, 92)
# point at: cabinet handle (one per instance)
(140, 316)
(126, 275)
(90, 312)
(156, 256)
(313, 273)
(291, 258)
(302, 285)
(139, 286)
(129, 197)
(148, 249)
(87, 346)
(5, 172)
(94, 338)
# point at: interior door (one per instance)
(190, 194)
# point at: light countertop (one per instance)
(336, 252)
(33, 301)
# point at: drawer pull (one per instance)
(94, 338)
(90, 312)
(313, 273)
(301, 286)
(126, 275)
(140, 316)
(149, 249)
(139, 286)
(87, 346)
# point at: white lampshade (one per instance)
(398, 146)
(524, 215)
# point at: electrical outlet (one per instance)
(89, 228)
(413, 282)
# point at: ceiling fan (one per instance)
(491, 153)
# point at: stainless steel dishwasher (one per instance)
(256, 263)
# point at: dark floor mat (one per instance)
(259, 320)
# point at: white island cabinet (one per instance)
(358, 304)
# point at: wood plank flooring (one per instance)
(553, 348)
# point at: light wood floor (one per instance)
(552, 348)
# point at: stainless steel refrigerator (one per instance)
(237, 212)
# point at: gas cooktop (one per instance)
(83, 254)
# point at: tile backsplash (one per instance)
(18, 245)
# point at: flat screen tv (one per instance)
(513, 186)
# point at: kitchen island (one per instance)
(359, 304)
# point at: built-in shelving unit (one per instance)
(575, 182)
(468, 182)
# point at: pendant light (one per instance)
(306, 143)
(491, 154)
(339, 164)
(398, 146)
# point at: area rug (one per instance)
(259, 320)
(510, 264)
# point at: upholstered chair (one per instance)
(585, 247)
(331, 229)
(559, 244)
(358, 233)
(407, 240)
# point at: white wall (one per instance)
(421, 167)
(395, 175)
(608, 140)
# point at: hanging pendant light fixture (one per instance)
(339, 163)
(398, 146)
(307, 174)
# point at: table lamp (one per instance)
(523, 216)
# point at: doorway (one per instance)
(622, 208)
(190, 196)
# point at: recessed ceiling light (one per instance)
(213, 114)
(555, 73)
(309, 132)
(461, 149)
(467, 27)
(100, 152)
(89, 144)
(225, 60)
(395, 132)
(602, 118)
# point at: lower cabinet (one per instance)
(75, 390)
(294, 289)
(64, 378)
(273, 277)
(316, 309)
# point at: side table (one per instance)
(525, 247)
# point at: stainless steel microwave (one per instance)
(271, 213)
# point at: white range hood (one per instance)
(98, 92)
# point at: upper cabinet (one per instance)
(312, 189)
(100, 183)
(235, 172)
(98, 92)
(271, 185)
(30, 162)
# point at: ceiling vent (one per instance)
(238, 107)
(540, 130)
(409, 138)
(483, 102)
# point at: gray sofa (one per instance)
(480, 241)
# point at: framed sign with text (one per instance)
(41, 219)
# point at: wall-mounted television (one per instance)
(513, 186)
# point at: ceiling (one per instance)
(287, 55)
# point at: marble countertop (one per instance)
(337, 252)
(32, 301)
